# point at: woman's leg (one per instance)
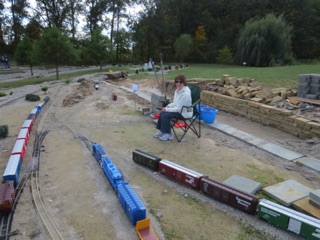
(164, 121)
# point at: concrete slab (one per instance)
(303, 205)
(287, 192)
(315, 196)
(309, 162)
(280, 151)
(243, 184)
(315, 204)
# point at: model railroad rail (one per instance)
(48, 223)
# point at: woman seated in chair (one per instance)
(182, 97)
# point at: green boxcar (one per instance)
(272, 214)
(289, 219)
(310, 228)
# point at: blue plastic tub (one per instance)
(199, 109)
(209, 115)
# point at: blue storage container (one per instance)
(131, 203)
(12, 171)
(98, 152)
(110, 170)
(209, 115)
(200, 109)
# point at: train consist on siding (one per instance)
(276, 214)
(11, 174)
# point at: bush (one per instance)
(67, 81)
(225, 56)
(137, 71)
(32, 97)
(2, 94)
(44, 89)
(3, 131)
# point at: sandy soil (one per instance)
(83, 204)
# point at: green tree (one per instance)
(98, 48)
(23, 54)
(264, 40)
(183, 46)
(54, 48)
(225, 56)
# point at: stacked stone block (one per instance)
(157, 102)
(309, 86)
(281, 119)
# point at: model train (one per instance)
(276, 214)
(11, 174)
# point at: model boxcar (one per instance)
(12, 170)
(98, 152)
(28, 123)
(229, 195)
(289, 219)
(146, 159)
(180, 173)
(6, 196)
(131, 203)
(19, 148)
(24, 134)
(114, 176)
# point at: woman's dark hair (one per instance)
(181, 78)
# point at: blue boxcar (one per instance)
(131, 203)
(112, 173)
(12, 171)
(98, 152)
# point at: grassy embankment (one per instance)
(286, 76)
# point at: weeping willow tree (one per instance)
(263, 41)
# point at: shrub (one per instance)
(67, 81)
(32, 97)
(11, 93)
(3, 131)
(44, 89)
(2, 94)
(225, 56)
(137, 71)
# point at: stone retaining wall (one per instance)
(282, 119)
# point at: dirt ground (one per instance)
(83, 204)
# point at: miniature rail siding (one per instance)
(98, 152)
(132, 205)
(6, 196)
(229, 195)
(146, 159)
(180, 173)
(110, 170)
(289, 219)
(12, 170)
(144, 231)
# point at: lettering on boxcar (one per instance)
(268, 211)
(189, 179)
(243, 202)
(317, 233)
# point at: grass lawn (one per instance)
(286, 76)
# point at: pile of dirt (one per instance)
(79, 93)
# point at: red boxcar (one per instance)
(24, 134)
(28, 124)
(6, 196)
(229, 195)
(19, 148)
(180, 173)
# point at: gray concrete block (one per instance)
(287, 192)
(243, 184)
(315, 196)
(309, 162)
(281, 152)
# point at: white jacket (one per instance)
(181, 98)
